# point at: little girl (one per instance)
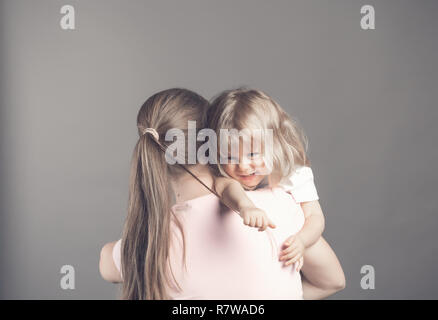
(252, 109)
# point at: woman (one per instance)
(152, 265)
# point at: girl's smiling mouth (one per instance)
(248, 177)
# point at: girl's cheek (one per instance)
(261, 167)
(259, 162)
(228, 170)
(262, 179)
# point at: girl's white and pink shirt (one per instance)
(226, 259)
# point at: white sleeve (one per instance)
(117, 257)
(301, 185)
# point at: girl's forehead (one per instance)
(244, 136)
(248, 142)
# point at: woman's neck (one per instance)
(186, 187)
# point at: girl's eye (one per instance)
(253, 154)
(228, 159)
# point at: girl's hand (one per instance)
(254, 217)
(293, 252)
(299, 264)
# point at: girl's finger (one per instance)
(293, 244)
(289, 240)
(288, 256)
(294, 259)
(299, 264)
(263, 228)
(290, 248)
(291, 255)
(286, 251)
(265, 223)
(271, 224)
(255, 222)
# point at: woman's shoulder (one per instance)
(206, 203)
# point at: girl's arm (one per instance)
(314, 223)
(107, 267)
(302, 187)
(322, 271)
(295, 246)
(233, 195)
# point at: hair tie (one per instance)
(153, 132)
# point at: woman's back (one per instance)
(226, 259)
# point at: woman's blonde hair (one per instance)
(146, 235)
(249, 108)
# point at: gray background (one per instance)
(69, 99)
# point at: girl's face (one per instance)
(249, 168)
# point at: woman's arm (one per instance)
(322, 271)
(107, 268)
(312, 292)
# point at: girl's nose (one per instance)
(244, 166)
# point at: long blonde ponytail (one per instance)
(146, 235)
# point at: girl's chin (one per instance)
(249, 182)
(249, 188)
(249, 185)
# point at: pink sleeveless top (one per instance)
(226, 259)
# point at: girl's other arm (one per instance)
(295, 245)
(302, 187)
(314, 223)
(107, 267)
